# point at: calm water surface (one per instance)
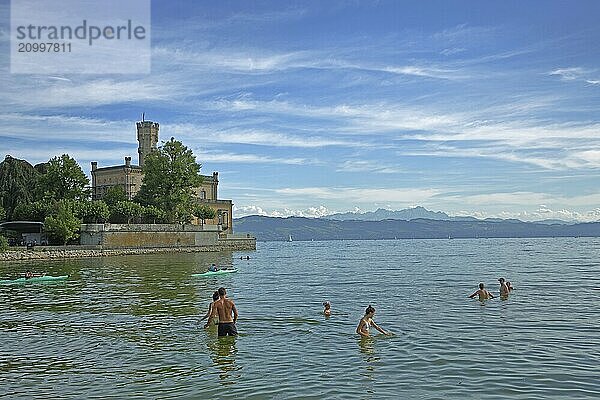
(127, 327)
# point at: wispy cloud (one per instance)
(569, 74)
(227, 158)
(363, 195)
(356, 165)
(576, 74)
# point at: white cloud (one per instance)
(375, 167)
(252, 136)
(568, 74)
(310, 212)
(250, 159)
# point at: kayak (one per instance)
(213, 273)
(45, 278)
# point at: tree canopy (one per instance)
(114, 195)
(204, 212)
(64, 180)
(17, 184)
(170, 175)
(62, 225)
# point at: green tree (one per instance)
(204, 212)
(3, 244)
(2, 213)
(17, 184)
(93, 212)
(64, 180)
(63, 225)
(114, 195)
(153, 215)
(170, 175)
(126, 212)
(36, 211)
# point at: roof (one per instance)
(118, 167)
(22, 226)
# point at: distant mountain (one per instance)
(380, 214)
(555, 222)
(279, 229)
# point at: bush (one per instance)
(3, 244)
(63, 225)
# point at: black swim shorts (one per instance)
(227, 329)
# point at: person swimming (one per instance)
(213, 268)
(327, 308)
(482, 293)
(504, 290)
(211, 314)
(366, 322)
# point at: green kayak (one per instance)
(213, 273)
(46, 278)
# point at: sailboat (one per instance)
(290, 238)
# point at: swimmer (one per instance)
(327, 310)
(366, 322)
(29, 275)
(211, 314)
(504, 290)
(483, 294)
(213, 268)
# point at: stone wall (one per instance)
(115, 236)
(61, 252)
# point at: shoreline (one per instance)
(67, 252)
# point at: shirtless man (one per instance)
(225, 307)
(503, 288)
(483, 294)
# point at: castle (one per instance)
(130, 177)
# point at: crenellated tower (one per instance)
(147, 136)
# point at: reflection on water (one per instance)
(367, 350)
(223, 353)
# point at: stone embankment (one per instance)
(61, 252)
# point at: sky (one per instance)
(310, 108)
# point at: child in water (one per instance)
(327, 308)
(483, 294)
(367, 322)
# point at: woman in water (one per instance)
(211, 314)
(327, 309)
(367, 322)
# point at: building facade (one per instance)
(130, 178)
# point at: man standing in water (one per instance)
(482, 293)
(225, 307)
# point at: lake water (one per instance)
(127, 327)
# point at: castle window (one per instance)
(203, 194)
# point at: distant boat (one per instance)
(290, 238)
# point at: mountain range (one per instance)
(414, 223)
(415, 213)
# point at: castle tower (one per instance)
(147, 136)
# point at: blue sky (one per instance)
(309, 108)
